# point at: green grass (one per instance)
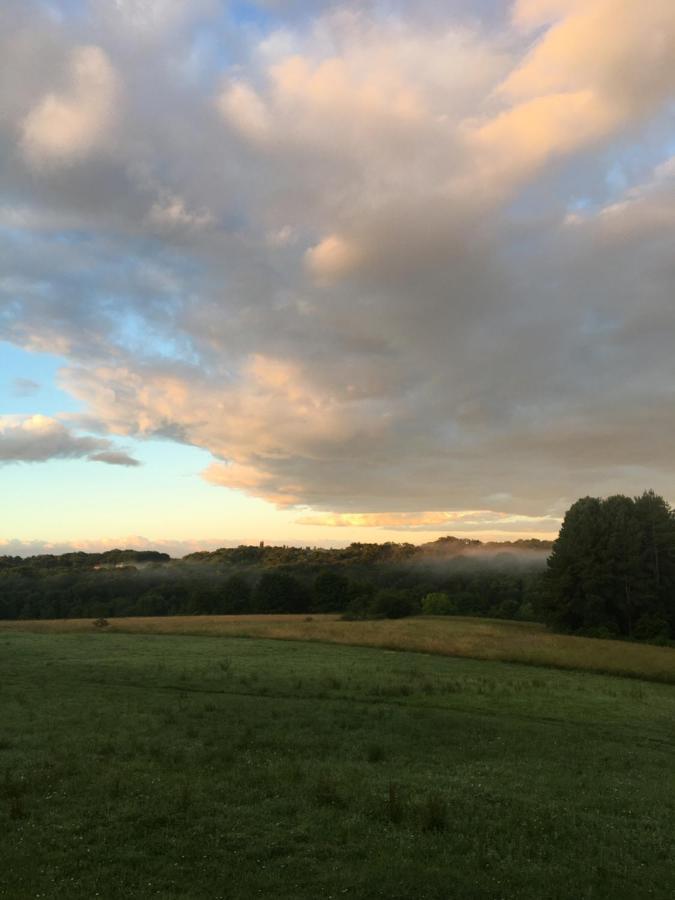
(136, 766)
(494, 639)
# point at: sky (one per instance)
(317, 272)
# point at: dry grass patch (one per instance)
(521, 642)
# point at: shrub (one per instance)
(526, 612)
(650, 627)
(438, 604)
(358, 607)
(392, 604)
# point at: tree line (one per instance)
(610, 573)
(361, 580)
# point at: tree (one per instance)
(330, 591)
(438, 604)
(235, 596)
(612, 569)
(280, 592)
(390, 603)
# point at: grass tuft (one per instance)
(433, 813)
(395, 806)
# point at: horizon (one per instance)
(180, 549)
(336, 272)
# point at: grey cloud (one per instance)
(344, 307)
(114, 458)
(40, 438)
(24, 387)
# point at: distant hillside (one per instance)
(264, 555)
(358, 553)
(82, 560)
(493, 579)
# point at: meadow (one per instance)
(528, 643)
(140, 765)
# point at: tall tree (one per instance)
(612, 568)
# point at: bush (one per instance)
(651, 627)
(392, 604)
(526, 612)
(360, 600)
(599, 631)
(438, 604)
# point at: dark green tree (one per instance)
(612, 569)
(234, 596)
(390, 603)
(331, 591)
(280, 592)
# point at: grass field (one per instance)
(141, 765)
(494, 639)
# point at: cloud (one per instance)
(148, 22)
(175, 548)
(243, 108)
(332, 258)
(40, 438)
(114, 458)
(252, 479)
(369, 257)
(24, 387)
(170, 213)
(597, 68)
(66, 126)
(464, 521)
